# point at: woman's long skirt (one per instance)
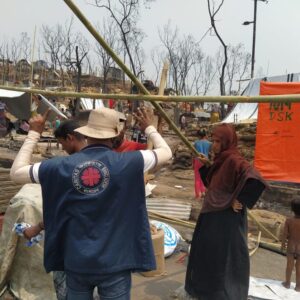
(218, 267)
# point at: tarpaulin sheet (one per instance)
(278, 135)
(267, 289)
(19, 103)
(248, 111)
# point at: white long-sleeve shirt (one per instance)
(22, 171)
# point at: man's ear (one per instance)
(70, 137)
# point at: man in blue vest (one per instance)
(71, 142)
(96, 223)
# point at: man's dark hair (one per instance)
(295, 205)
(68, 127)
(82, 117)
(202, 133)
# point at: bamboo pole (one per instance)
(157, 98)
(170, 220)
(272, 247)
(32, 55)
(257, 245)
(120, 63)
(32, 65)
(262, 227)
(163, 79)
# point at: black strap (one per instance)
(31, 174)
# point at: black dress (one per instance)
(218, 267)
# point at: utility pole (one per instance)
(253, 40)
(254, 35)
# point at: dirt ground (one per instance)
(179, 185)
(264, 264)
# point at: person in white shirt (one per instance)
(96, 224)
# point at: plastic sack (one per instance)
(171, 239)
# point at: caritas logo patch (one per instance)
(90, 177)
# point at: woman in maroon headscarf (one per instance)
(218, 267)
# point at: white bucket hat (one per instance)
(103, 123)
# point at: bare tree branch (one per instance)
(212, 14)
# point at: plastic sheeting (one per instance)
(271, 290)
(87, 103)
(171, 237)
(19, 104)
(277, 145)
(248, 111)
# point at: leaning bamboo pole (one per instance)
(262, 227)
(32, 65)
(175, 221)
(257, 244)
(120, 63)
(279, 99)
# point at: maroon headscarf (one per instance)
(229, 172)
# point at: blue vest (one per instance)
(95, 213)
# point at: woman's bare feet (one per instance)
(287, 285)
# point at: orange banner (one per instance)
(277, 150)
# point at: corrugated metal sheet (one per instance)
(87, 103)
(169, 207)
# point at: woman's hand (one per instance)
(236, 206)
(284, 246)
(204, 159)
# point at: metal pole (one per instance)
(253, 40)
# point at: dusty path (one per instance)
(264, 264)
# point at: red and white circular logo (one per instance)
(90, 177)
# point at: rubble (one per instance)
(182, 158)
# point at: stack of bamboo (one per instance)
(182, 158)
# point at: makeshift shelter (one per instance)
(19, 104)
(248, 111)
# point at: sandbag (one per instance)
(21, 267)
(158, 246)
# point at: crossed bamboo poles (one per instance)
(154, 98)
(139, 84)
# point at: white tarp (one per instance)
(248, 111)
(10, 94)
(87, 103)
(271, 290)
(19, 104)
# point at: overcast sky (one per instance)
(278, 24)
